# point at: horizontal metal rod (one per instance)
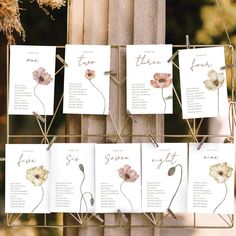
(174, 45)
(103, 225)
(115, 135)
(124, 226)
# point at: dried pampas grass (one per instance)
(10, 19)
(10, 16)
(52, 3)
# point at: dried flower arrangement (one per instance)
(10, 16)
(10, 19)
(52, 3)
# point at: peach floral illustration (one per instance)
(89, 75)
(171, 172)
(37, 176)
(81, 167)
(42, 77)
(128, 175)
(221, 172)
(214, 83)
(161, 80)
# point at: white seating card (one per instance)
(117, 178)
(31, 87)
(72, 177)
(164, 177)
(203, 82)
(86, 85)
(149, 79)
(27, 178)
(211, 178)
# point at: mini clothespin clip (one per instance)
(229, 139)
(51, 143)
(227, 66)
(201, 143)
(153, 141)
(98, 217)
(130, 115)
(112, 75)
(171, 213)
(110, 72)
(232, 122)
(187, 41)
(122, 215)
(61, 60)
(39, 117)
(110, 141)
(2, 158)
(173, 56)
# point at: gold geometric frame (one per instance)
(155, 220)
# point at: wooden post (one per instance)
(148, 29)
(3, 96)
(73, 122)
(88, 27)
(120, 33)
(116, 22)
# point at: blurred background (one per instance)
(201, 20)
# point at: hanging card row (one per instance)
(105, 178)
(149, 80)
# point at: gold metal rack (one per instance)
(156, 220)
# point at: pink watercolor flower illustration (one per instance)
(162, 80)
(89, 75)
(128, 175)
(42, 77)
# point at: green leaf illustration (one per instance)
(169, 97)
(81, 167)
(92, 201)
(171, 171)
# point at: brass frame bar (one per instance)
(119, 135)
